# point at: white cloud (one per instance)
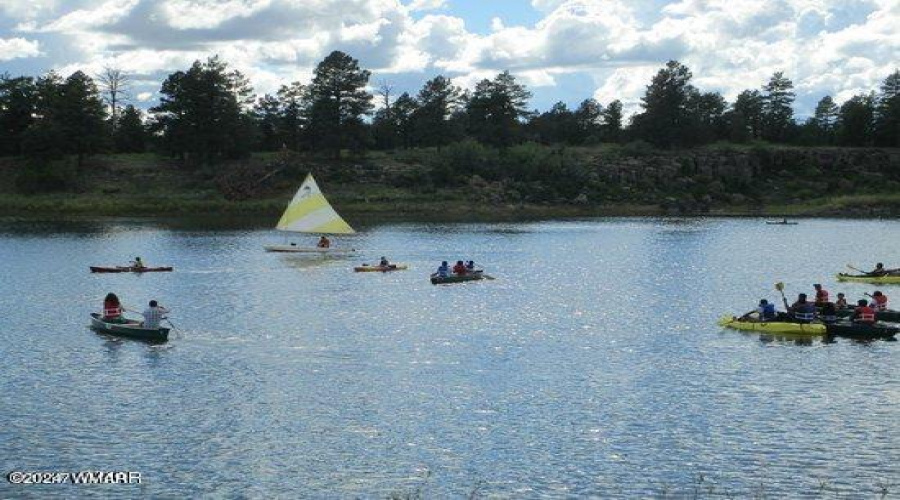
(16, 48)
(824, 46)
(427, 4)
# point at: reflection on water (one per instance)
(592, 365)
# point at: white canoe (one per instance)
(299, 249)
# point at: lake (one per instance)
(591, 366)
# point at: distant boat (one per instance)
(783, 222)
(309, 212)
(129, 269)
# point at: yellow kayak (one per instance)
(365, 268)
(773, 326)
(882, 280)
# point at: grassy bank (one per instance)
(532, 182)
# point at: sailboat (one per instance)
(310, 212)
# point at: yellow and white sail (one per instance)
(310, 212)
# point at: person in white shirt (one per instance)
(153, 315)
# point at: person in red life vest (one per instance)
(112, 309)
(821, 295)
(879, 301)
(863, 313)
(459, 268)
(841, 302)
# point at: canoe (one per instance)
(780, 223)
(129, 269)
(298, 249)
(862, 278)
(456, 278)
(365, 268)
(773, 326)
(891, 316)
(132, 330)
(861, 331)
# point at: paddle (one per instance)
(177, 330)
(857, 269)
(780, 287)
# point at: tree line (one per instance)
(209, 112)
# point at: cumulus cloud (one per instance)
(15, 48)
(427, 4)
(824, 46)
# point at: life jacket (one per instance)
(880, 302)
(459, 269)
(865, 314)
(822, 296)
(805, 312)
(111, 310)
(768, 311)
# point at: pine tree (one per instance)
(666, 118)
(131, 134)
(856, 120)
(887, 112)
(778, 96)
(337, 102)
(438, 100)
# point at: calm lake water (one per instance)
(591, 366)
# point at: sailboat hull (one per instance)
(299, 249)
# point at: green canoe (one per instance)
(132, 329)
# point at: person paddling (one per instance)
(459, 269)
(324, 242)
(137, 263)
(765, 311)
(443, 270)
(153, 315)
(384, 262)
(863, 313)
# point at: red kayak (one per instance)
(129, 269)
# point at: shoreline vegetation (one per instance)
(607, 180)
(212, 145)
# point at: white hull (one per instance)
(299, 249)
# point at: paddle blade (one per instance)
(779, 286)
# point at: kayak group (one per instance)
(459, 269)
(820, 309)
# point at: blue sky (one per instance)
(563, 50)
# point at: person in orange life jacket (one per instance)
(112, 309)
(803, 310)
(821, 295)
(459, 268)
(863, 313)
(828, 313)
(765, 311)
(879, 301)
(841, 302)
